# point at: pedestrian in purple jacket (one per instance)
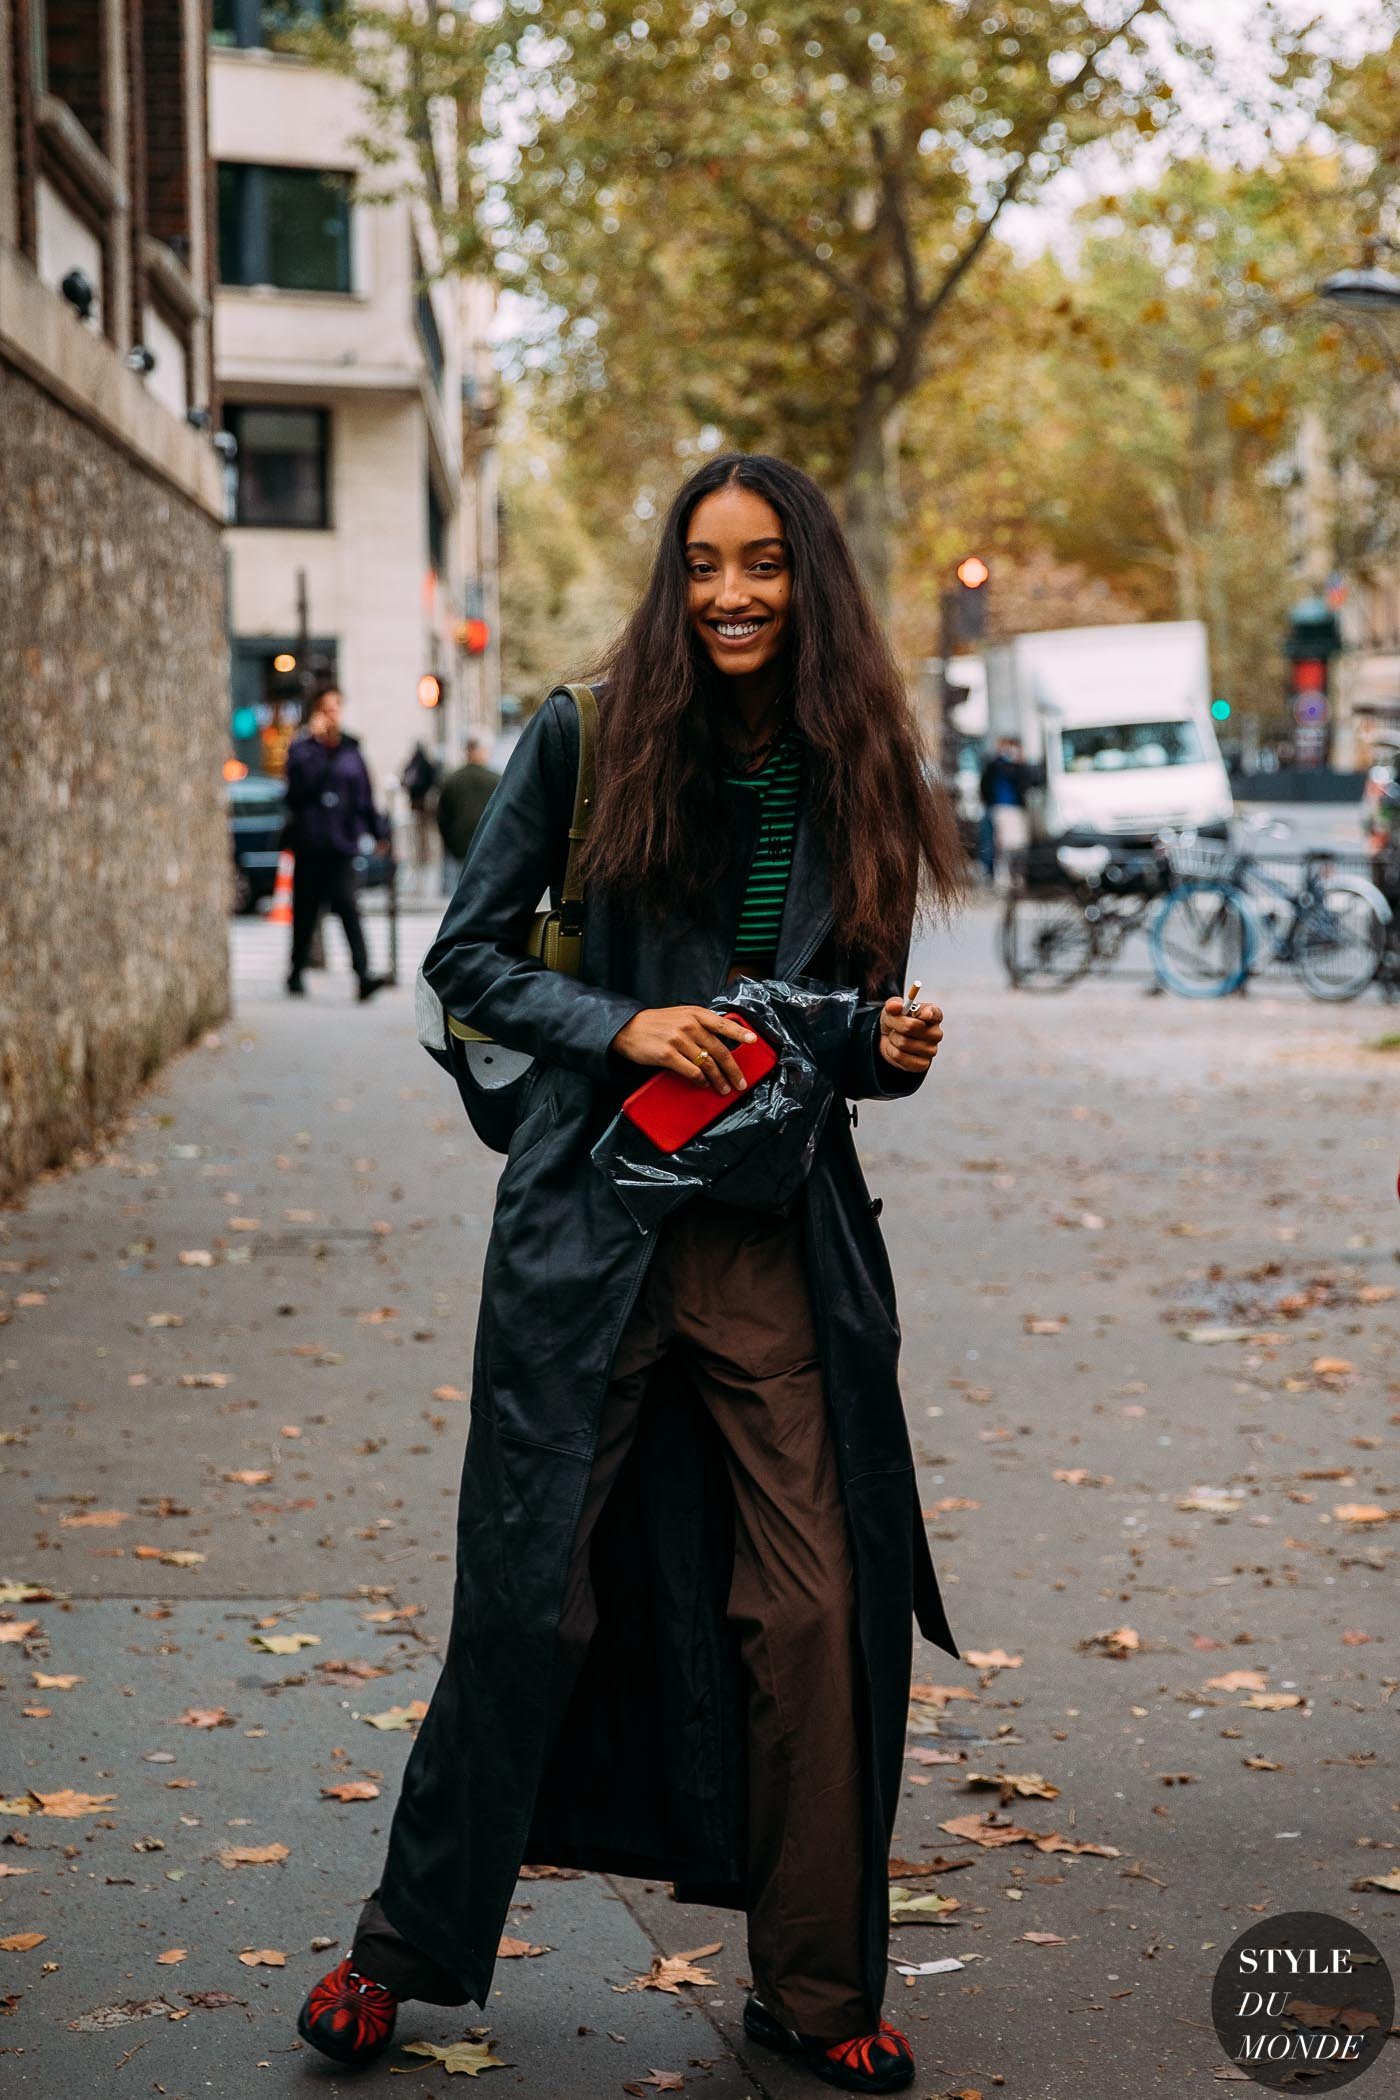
(330, 807)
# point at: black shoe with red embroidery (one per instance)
(879, 2062)
(348, 2017)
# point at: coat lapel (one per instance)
(808, 909)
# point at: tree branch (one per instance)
(855, 294)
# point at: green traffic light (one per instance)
(1221, 710)
(244, 723)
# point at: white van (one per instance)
(1120, 719)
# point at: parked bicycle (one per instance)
(1224, 917)
(1055, 931)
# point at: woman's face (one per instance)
(740, 582)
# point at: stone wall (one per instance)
(114, 856)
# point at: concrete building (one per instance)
(114, 859)
(359, 387)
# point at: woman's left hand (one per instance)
(910, 1042)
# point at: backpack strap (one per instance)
(571, 893)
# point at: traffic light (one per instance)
(1220, 710)
(967, 602)
(473, 636)
(1314, 635)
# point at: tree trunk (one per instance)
(869, 499)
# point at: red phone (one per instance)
(671, 1110)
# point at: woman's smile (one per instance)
(736, 557)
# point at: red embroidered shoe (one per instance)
(348, 2017)
(879, 2062)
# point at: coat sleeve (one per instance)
(477, 965)
(868, 1076)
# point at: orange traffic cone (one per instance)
(281, 912)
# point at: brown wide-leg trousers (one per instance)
(727, 1290)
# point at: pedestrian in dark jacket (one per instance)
(461, 805)
(330, 808)
(689, 1543)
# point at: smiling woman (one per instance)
(690, 1544)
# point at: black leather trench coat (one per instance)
(647, 1774)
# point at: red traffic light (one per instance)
(973, 572)
(474, 636)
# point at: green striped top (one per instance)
(777, 783)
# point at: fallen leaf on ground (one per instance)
(920, 1869)
(253, 1855)
(515, 1950)
(351, 1790)
(171, 1956)
(1119, 1643)
(1261, 1764)
(1031, 1325)
(6, 1870)
(938, 1695)
(1215, 1501)
(43, 1681)
(986, 1830)
(262, 1958)
(104, 2016)
(95, 1519)
(471, 2057)
(170, 1557)
(24, 1593)
(1389, 1882)
(67, 1802)
(1361, 1513)
(669, 1971)
(399, 1716)
(17, 1629)
(448, 1392)
(211, 2001)
(250, 1476)
(1237, 1681)
(1044, 1939)
(659, 2082)
(948, 1504)
(992, 1659)
(920, 1755)
(1055, 1841)
(196, 1258)
(204, 1717)
(284, 1643)
(1080, 1476)
(21, 1942)
(1273, 1702)
(1028, 1784)
(906, 1907)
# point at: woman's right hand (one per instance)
(690, 1040)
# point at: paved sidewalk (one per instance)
(1144, 1250)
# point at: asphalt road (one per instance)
(1147, 1258)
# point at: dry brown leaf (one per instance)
(67, 1802)
(284, 1643)
(987, 1830)
(1031, 1325)
(1118, 1643)
(6, 1870)
(204, 1717)
(43, 1681)
(1045, 1939)
(1262, 1764)
(95, 1519)
(1389, 1882)
(196, 1258)
(17, 1629)
(250, 1476)
(938, 1695)
(1273, 1702)
(214, 1380)
(448, 1392)
(21, 1942)
(992, 1659)
(351, 1790)
(1028, 1784)
(399, 1716)
(170, 1557)
(1238, 1681)
(949, 1503)
(262, 1958)
(1055, 1841)
(471, 2057)
(1361, 1513)
(669, 1971)
(253, 1855)
(516, 1950)
(171, 1956)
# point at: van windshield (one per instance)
(1118, 747)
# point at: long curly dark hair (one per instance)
(660, 819)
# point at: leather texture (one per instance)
(646, 1774)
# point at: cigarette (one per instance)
(912, 1001)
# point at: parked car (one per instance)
(257, 806)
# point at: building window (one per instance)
(437, 531)
(282, 464)
(429, 334)
(273, 25)
(288, 227)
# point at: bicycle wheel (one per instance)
(1046, 942)
(1339, 945)
(1201, 941)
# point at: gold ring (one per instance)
(702, 1057)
